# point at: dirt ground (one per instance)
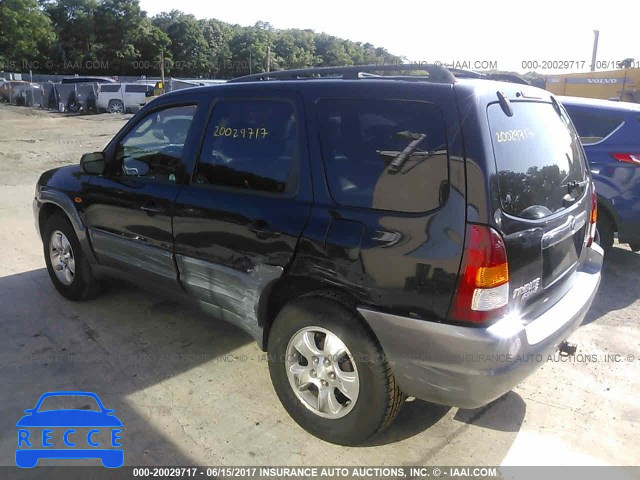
(193, 390)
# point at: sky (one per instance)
(513, 35)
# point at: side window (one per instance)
(109, 88)
(135, 88)
(593, 126)
(250, 145)
(384, 154)
(153, 148)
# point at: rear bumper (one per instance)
(469, 367)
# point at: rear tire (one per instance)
(67, 265)
(335, 355)
(605, 230)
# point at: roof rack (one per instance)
(502, 77)
(436, 73)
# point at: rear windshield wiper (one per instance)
(399, 158)
(575, 185)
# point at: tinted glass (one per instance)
(135, 88)
(153, 148)
(109, 88)
(593, 126)
(250, 145)
(362, 139)
(537, 154)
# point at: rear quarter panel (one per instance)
(414, 274)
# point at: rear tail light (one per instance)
(633, 158)
(483, 287)
(594, 215)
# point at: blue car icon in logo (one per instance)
(74, 428)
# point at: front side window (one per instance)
(250, 145)
(384, 154)
(153, 148)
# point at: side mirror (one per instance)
(134, 167)
(93, 163)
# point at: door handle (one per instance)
(262, 230)
(152, 208)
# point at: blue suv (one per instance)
(610, 134)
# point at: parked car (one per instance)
(379, 237)
(123, 97)
(4, 90)
(20, 92)
(610, 134)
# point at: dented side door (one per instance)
(232, 239)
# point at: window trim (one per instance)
(288, 193)
(111, 149)
(406, 100)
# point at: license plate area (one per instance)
(561, 257)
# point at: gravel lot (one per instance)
(193, 390)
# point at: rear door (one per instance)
(544, 194)
(134, 95)
(237, 224)
(108, 92)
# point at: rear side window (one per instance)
(250, 145)
(537, 154)
(135, 88)
(384, 154)
(593, 126)
(109, 88)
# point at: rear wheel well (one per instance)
(290, 287)
(46, 211)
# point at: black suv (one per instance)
(380, 236)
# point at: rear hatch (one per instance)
(544, 196)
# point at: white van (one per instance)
(123, 97)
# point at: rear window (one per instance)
(593, 126)
(384, 154)
(537, 154)
(109, 88)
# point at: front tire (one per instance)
(68, 268)
(330, 373)
(116, 106)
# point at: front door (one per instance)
(237, 224)
(128, 209)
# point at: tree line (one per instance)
(116, 37)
